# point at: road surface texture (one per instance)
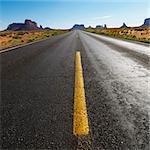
(37, 93)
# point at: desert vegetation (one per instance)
(14, 38)
(141, 34)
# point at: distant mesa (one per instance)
(47, 28)
(90, 27)
(146, 22)
(78, 27)
(105, 26)
(28, 25)
(124, 26)
(101, 26)
(41, 27)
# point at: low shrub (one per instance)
(21, 33)
(16, 37)
(30, 40)
(3, 34)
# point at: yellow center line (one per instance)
(80, 125)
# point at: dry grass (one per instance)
(14, 38)
(136, 33)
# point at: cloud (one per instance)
(97, 19)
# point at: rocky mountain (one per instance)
(146, 22)
(78, 27)
(105, 26)
(47, 28)
(99, 27)
(28, 25)
(124, 26)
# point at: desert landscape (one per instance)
(141, 34)
(14, 38)
(26, 32)
(29, 31)
(75, 75)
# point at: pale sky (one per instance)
(66, 13)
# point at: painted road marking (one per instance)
(80, 125)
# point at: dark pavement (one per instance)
(37, 89)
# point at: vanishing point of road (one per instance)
(37, 94)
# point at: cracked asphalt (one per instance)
(37, 94)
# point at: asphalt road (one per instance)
(37, 89)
